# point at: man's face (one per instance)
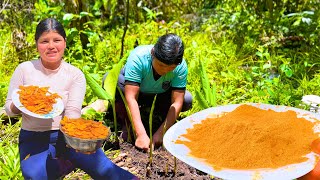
(162, 68)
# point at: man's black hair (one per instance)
(169, 49)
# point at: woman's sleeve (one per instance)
(15, 81)
(77, 92)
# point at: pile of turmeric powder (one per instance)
(37, 99)
(251, 138)
(84, 129)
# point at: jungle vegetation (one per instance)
(262, 51)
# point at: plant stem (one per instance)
(150, 128)
(128, 112)
(114, 117)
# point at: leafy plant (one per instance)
(206, 95)
(97, 88)
(93, 114)
(109, 89)
(9, 162)
(129, 116)
(110, 86)
(250, 51)
(151, 15)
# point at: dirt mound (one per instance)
(162, 167)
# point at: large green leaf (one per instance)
(96, 88)
(110, 83)
(203, 103)
(205, 83)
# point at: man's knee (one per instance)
(187, 103)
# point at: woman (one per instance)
(43, 152)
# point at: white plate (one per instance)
(181, 151)
(58, 107)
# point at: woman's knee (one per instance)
(97, 165)
(187, 103)
(39, 166)
(33, 170)
(104, 171)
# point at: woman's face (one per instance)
(51, 47)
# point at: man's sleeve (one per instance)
(180, 76)
(133, 69)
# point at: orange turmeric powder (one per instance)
(37, 99)
(84, 129)
(251, 138)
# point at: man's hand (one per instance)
(157, 139)
(143, 142)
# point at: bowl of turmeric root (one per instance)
(85, 136)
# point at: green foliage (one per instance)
(110, 86)
(107, 92)
(110, 83)
(129, 116)
(151, 15)
(97, 88)
(9, 162)
(9, 131)
(9, 153)
(206, 96)
(237, 51)
(93, 114)
(3, 90)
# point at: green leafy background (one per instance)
(237, 51)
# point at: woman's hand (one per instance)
(143, 142)
(14, 109)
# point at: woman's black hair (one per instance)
(49, 24)
(169, 49)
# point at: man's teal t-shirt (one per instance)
(139, 69)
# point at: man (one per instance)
(150, 70)
(153, 70)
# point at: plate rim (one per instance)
(207, 168)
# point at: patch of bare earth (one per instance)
(162, 167)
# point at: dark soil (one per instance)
(162, 167)
(163, 163)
